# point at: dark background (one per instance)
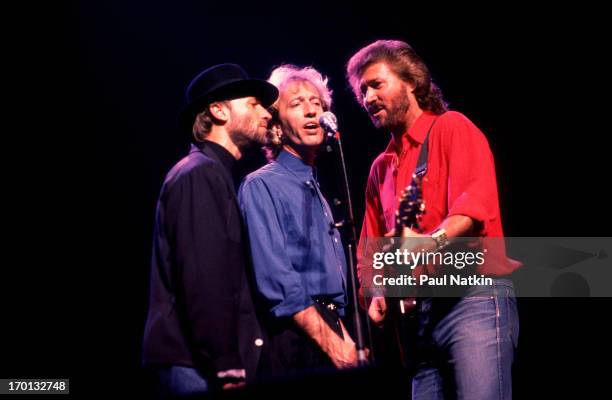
(98, 86)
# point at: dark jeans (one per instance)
(288, 351)
(177, 382)
(466, 346)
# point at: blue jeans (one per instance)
(466, 345)
(177, 381)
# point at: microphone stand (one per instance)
(334, 137)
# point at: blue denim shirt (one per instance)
(296, 253)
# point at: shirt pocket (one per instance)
(434, 194)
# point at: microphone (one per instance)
(329, 122)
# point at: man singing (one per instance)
(297, 254)
(201, 328)
(466, 344)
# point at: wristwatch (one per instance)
(439, 236)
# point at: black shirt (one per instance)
(200, 311)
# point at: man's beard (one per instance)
(396, 114)
(245, 133)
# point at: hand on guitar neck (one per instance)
(407, 221)
(407, 218)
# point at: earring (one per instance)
(276, 135)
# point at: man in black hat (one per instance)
(201, 331)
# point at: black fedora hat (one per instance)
(222, 82)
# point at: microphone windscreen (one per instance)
(328, 121)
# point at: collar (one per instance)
(415, 134)
(294, 164)
(223, 156)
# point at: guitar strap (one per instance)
(421, 168)
(406, 325)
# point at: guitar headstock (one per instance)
(411, 206)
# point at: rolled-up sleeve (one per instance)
(276, 279)
(472, 186)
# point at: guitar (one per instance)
(409, 212)
(408, 215)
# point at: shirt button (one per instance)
(336, 240)
(258, 342)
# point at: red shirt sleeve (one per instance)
(372, 227)
(472, 186)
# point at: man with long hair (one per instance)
(465, 345)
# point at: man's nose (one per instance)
(370, 96)
(265, 114)
(309, 110)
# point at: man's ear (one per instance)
(411, 87)
(219, 111)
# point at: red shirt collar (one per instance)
(416, 133)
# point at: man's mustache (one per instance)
(373, 108)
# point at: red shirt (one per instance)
(460, 180)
